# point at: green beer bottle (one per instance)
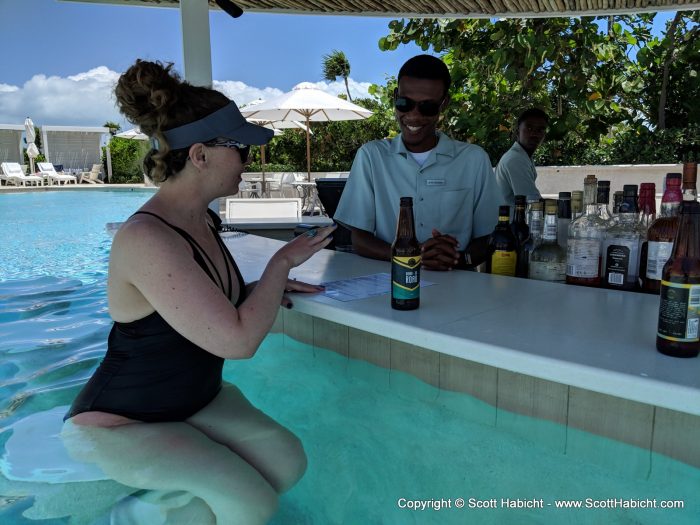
(405, 261)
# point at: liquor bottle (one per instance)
(503, 246)
(647, 215)
(647, 205)
(603, 200)
(585, 236)
(690, 177)
(679, 310)
(522, 234)
(661, 235)
(617, 201)
(536, 222)
(548, 259)
(621, 245)
(563, 217)
(531, 199)
(576, 204)
(405, 261)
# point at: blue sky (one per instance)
(60, 59)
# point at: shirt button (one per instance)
(421, 199)
(421, 224)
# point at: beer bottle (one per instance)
(522, 233)
(502, 246)
(405, 261)
(679, 310)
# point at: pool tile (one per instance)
(625, 422)
(677, 435)
(523, 399)
(299, 326)
(278, 325)
(476, 381)
(330, 336)
(369, 357)
(418, 362)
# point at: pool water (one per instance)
(372, 437)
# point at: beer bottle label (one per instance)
(503, 262)
(679, 313)
(405, 277)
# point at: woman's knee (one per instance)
(294, 465)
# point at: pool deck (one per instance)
(581, 357)
(74, 187)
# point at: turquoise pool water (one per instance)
(375, 440)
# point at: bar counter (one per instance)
(565, 350)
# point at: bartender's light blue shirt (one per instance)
(454, 191)
(516, 174)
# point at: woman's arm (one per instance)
(151, 259)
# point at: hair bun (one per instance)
(146, 92)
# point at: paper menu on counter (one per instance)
(361, 287)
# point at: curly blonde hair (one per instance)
(152, 96)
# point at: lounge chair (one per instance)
(48, 172)
(12, 173)
(93, 176)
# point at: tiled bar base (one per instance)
(515, 396)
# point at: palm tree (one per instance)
(336, 64)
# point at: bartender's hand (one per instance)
(440, 252)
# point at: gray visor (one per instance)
(226, 122)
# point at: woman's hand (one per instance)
(298, 286)
(299, 249)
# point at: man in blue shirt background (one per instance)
(516, 173)
(455, 196)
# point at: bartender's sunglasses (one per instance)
(243, 149)
(427, 108)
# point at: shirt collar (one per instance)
(445, 145)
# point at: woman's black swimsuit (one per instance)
(151, 372)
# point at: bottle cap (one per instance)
(647, 186)
(504, 211)
(590, 179)
(406, 201)
(629, 190)
(520, 200)
(550, 206)
(604, 184)
(576, 195)
(537, 206)
(673, 179)
(564, 195)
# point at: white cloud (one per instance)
(357, 89)
(86, 99)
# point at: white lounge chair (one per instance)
(12, 173)
(93, 176)
(48, 172)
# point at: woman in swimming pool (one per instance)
(180, 307)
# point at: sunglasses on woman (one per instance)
(243, 149)
(427, 108)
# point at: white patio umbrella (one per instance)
(32, 150)
(277, 127)
(133, 133)
(307, 104)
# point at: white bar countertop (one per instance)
(278, 223)
(596, 339)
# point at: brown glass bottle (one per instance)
(405, 261)
(661, 235)
(690, 178)
(679, 311)
(522, 234)
(503, 246)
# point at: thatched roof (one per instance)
(441, 8)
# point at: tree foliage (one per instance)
(594, 76)
(336, 64)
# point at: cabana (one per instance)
(75, 148)
(11, 143)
